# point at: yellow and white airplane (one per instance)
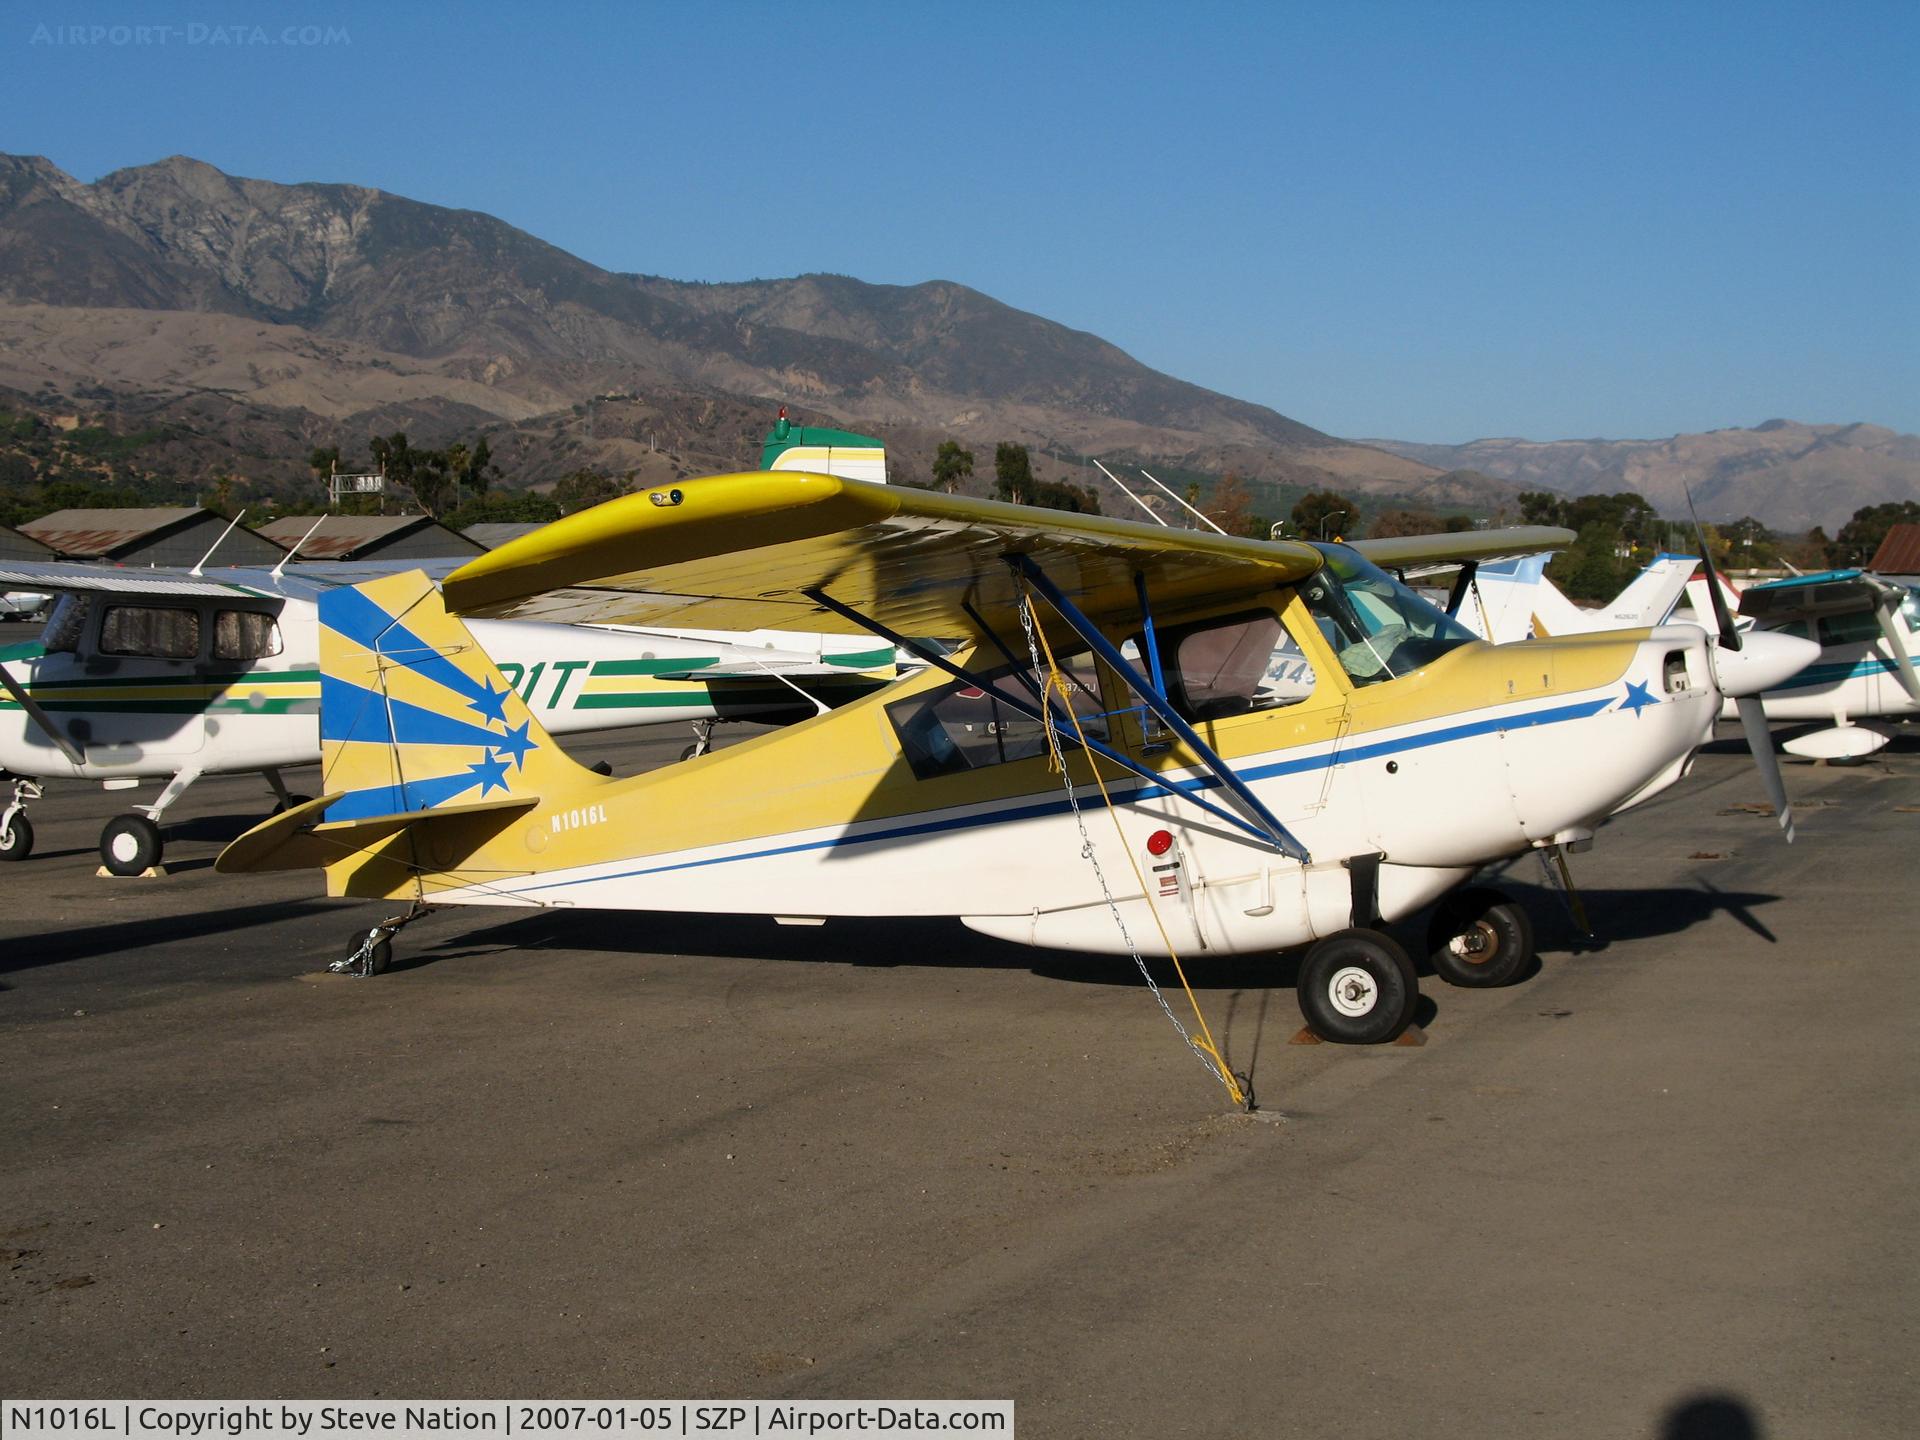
(1289, 746)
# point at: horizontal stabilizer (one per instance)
(301, 839)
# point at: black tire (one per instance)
(130, 844)
(1358, 988)
(381, 957)
(1480, 938)
(17, 843)
(292, 802)
(689, 752)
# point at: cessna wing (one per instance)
(1417, 555)
(1838, 592)
(104, 579)
(795, 551)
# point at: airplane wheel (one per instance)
(1480, 938)
(17, 843)
(689, 752)
(1358, 988)
(130, 844)
(292, 802)
(381, 956)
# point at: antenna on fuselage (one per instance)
(1204, 519)
(281, 567)
(216, 544)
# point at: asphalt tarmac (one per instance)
(1665, 1187)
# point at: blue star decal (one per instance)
(515, 744)
(1638, 697)
(491, 703)
(491, 773)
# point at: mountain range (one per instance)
(233, 324)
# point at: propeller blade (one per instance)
(1722, 617)
(1898, 645)
(40, 717)
(1753, 720)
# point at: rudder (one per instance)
(415, 715)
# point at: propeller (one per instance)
(1743, 683)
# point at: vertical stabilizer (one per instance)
(413, 713)
(1499, 607)
(821, 451)
(1650, 598)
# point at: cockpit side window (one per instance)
(151, 631)
(1234, 665)
(245, 635)
(1850, 628)
(67, 626)
(1377, 627)
(960, 726)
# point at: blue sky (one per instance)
(1425, 222)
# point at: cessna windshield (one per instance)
(1376, 626)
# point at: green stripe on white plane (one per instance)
(864, 660)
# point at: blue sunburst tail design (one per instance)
(414, 714)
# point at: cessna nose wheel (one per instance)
(1358, 988)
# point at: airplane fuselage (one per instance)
(931, 799)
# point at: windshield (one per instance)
(1378, 627)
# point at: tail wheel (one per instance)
(16, 842)
(369, 952)
(1358, 988)
(130, 844)
(1480, 938)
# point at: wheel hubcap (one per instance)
(1479, 944)
(1352, 991)
(125, 848)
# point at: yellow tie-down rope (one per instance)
(1056, 680)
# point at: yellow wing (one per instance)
(738, 552)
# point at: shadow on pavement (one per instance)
(1711, 1416)
(56, 947)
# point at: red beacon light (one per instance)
(1160, 842)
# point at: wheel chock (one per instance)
(152, 872)
(1412, 1035)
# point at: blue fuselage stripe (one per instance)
(1043, 809)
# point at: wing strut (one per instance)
(1157, 702)
(1032, 712)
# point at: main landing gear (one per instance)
(1479, 938)
(1358, 987)
(131, 844)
